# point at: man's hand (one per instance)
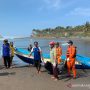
(56, 61)
(68, 59)
(29, 55)
(42, 58)
(54, 64)
(60, 58)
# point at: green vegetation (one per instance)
(69, 31)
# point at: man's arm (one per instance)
(55, 55)
(31, 52)
(1, 51)
(41, 53)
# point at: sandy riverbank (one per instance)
(26, 78)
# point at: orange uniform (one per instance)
(58, 54)
(71, 54)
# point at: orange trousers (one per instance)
(71, 66)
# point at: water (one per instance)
(83, 46)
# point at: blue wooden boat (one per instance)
(82, 62)
(24, 55)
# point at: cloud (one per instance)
(80, 12)
(56, 4)
(52, 3)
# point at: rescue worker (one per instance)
(53, 60)
(71, 55)
(58, 52)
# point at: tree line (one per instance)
(68, 31)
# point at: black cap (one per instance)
(35, 42)
(70, 42)
(6, 40)
(57, 43)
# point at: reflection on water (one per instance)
(83, 46)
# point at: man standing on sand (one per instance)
(53, 60)
(71, 55)
(37, 56)
(6, 53)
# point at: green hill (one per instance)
(68, 31)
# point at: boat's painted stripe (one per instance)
(81, 59)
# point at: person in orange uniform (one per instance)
(58, 52)
(71, 55)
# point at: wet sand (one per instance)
(26, 78)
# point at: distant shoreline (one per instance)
(65, 38)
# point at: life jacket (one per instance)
(71, 52)
(58, 51)
(58, 54)
(12, 50)
(37, 55)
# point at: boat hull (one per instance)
(84, 62)
(25, 59)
